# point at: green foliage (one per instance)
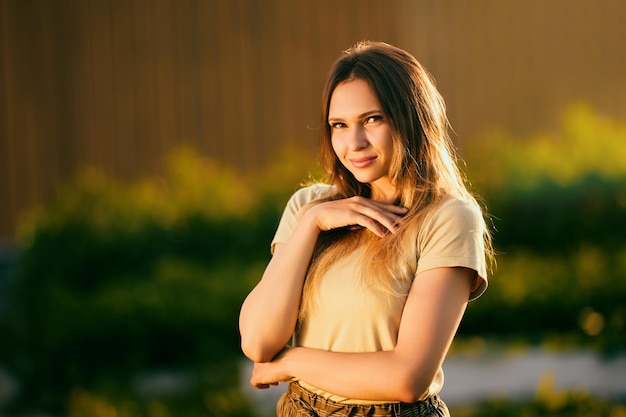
(587, 143)
(555, 219)
(554, 193)
(558, 204)
(119, 278)
(88, 404)
(575, 297)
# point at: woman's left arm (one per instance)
(432, 313)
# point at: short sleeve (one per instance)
(293, 210)
(453, 236)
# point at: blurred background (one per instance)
(147, 149)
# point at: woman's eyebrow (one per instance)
(360, 116)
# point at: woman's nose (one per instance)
(357, 139)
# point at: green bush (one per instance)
(552, 193)
(574, 298)
(559, 209)
(115, 279)
(587, 142)
(557, 219)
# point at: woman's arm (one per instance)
(269, 314)
(431, 316)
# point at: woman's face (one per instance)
(361, 136)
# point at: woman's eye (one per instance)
(337, 125)
(374, 119)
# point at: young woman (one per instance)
(372, 272)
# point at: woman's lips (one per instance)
(362, 162)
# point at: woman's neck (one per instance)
(385, 194)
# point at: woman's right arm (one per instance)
(269, 314)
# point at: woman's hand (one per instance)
(380, 218)
(270, 373)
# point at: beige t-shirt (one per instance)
(348, 317)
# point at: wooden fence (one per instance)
(116, 84)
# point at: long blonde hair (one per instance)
(424, 167)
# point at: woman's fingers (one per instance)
(386, 217)
(380, 218)
(265, 386)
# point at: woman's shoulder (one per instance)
(458, 205)
(295, 207)
(310, 193)
(455, 211)
(453, 235)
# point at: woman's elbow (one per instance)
(411, 388)
(410, 396)
(257, 347)
(252, 344)
(256, 352)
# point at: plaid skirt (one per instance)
(299, 402)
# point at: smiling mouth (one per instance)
(362, 162)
